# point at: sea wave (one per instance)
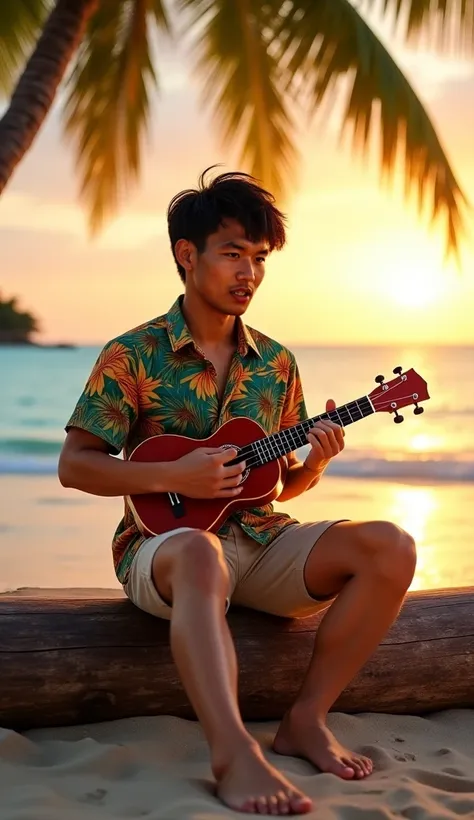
(404, 469)
(30, 447)
(428, 469)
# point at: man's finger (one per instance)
(236, 469)
(227, 454)
(320, 441)
(329, 429)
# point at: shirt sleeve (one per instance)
(294, 407)
(108, 405)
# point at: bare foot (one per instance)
(302, 736)
(250, 785)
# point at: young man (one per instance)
(188, 372)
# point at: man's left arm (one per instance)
(327, 440)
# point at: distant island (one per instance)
(18, 326)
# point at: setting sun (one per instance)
(415, 279)
(423, 443)
(416, 288)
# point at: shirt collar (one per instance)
(179, 333)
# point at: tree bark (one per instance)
(36, 90)
(85, 659)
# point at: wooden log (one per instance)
(80, 660)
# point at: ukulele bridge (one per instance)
(177, 506)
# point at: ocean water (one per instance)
(39, 388)
(419, 474)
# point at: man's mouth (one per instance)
(242, 293)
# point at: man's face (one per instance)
(230, 269)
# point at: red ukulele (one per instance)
(156, 513)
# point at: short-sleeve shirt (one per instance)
(154, 379)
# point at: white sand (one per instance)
(159, 768)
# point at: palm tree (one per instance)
(257, 60)
(16, 326)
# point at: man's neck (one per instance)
(208, 327)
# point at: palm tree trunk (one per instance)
(37, 86)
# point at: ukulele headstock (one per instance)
(404, 390)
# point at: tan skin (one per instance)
(369, 565)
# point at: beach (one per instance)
(159, 767)
(57, 542)
(56, 537)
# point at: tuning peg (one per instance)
(397, 371)
(398, 418)
(380, 379)
(418, 410)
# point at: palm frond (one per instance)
(158, 11)
(20, 26)
(107, 109)
(444, 25)
(242, 82)
(323, 42)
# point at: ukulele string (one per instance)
(255, 459)
(380, 404)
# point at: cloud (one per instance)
(24, 212)
(28, 212)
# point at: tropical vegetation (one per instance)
(16, 326)
(260, 65)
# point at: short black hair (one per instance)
(195, 214)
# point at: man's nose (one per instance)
(246, 269)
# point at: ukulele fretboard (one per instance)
(286, 441)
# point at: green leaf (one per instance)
(444, 25)
(321, 44)
(20, 26)
(243, 84)
(107, 109)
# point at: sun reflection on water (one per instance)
(416, 509)
(413, 506)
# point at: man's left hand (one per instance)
(326, 439)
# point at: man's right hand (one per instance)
(203, 473)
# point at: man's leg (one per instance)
(189, 570)
(370, 565)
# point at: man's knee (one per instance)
(194, 558)
(389, 551)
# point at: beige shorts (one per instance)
(267, 578)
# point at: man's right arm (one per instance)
(85, 464)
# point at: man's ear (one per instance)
(185, 252)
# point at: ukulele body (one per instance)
(155, 513)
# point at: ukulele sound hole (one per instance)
(246, 472)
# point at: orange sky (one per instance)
(359, 266)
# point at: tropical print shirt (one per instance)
(154, 379)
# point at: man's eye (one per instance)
(232, 253)
(261, 259)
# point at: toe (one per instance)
(273, 805)
(354, 764)
(343, 768)
(300, 804)
(261, 805)
(248, 806)
(365, 765)
(368, 765)
(283, 803)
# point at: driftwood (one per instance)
(78, 660)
